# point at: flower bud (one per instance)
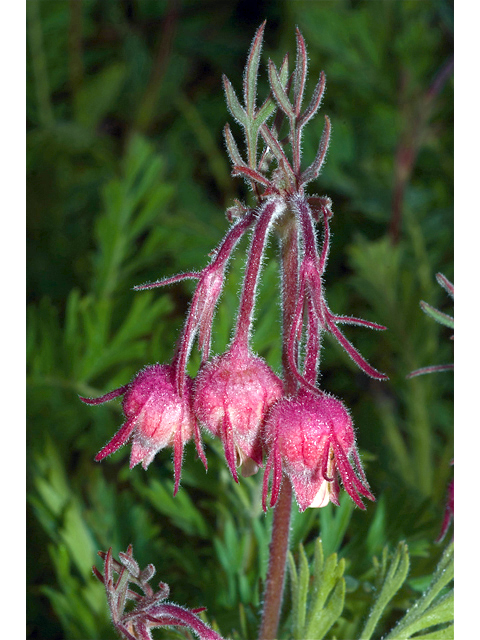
(161, 413)
(231, 397)
(156, 417)
(310, 438)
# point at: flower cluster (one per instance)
(290, 424)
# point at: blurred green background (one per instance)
(128, 181)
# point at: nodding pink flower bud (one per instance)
(310, 438)
(231, 397)
(157, 417)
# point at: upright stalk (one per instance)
(204, 290)
(270, 211)
(274, 585)
(272, 601)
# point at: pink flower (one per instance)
(310, 438)
(156, 417)
(232, 394)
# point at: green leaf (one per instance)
(131, 204)
(269, 106)
(328, 594)
(265, 111)
(140, 318)
(279, 91)
(234, 106)
(300, 74)
(314, 169)
(232, 148)
(437, 315)
(316, 609)
(99, 94)
(302, 591)
(80, 603)
(251, 71)
(445, 283)
(276, 149)
(439, 612)
(393, 580)
(432, 608)
(333, 524)
(180, 509)
(311, 110)
(438, 634)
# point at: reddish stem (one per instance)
(271, 209)
(219, 261)
(275, 581)
(310, 367)
(274, 584)
(305, 218)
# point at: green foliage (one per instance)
(79, 598)
(325, 594)
(390, 582)
(434, 608)
(318, 594)
(128, 180)
(437, 315)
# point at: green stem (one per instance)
(421, 437)
(39, 64)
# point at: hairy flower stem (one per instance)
(308, 231)
(272, 600)
(217, 267)
(274, 584)
(267, 215)
(289, 266)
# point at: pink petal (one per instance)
(119, 439)
(107, 397)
